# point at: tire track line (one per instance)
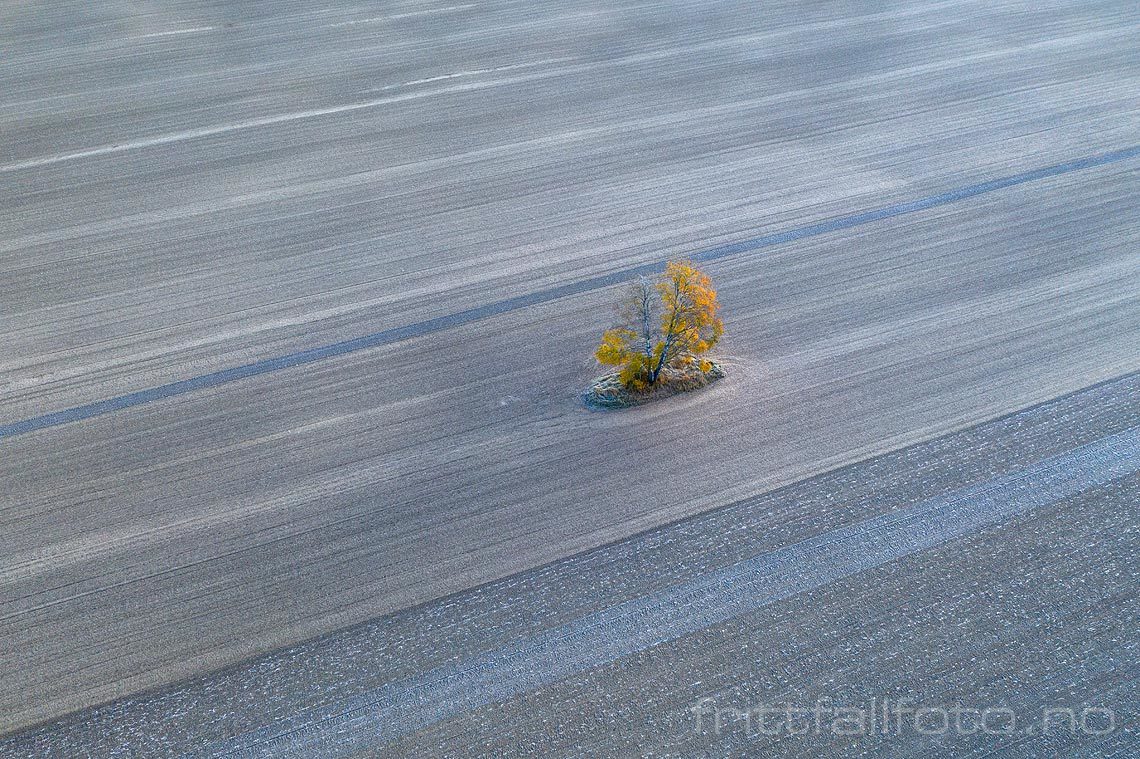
(479, 313)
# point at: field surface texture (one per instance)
(298, 300)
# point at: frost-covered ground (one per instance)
(197, 186)
(990, 568)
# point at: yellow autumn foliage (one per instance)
(667, 322)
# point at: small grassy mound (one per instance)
(610, 392)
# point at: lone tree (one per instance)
(666, 323)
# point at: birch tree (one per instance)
(664, 324)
